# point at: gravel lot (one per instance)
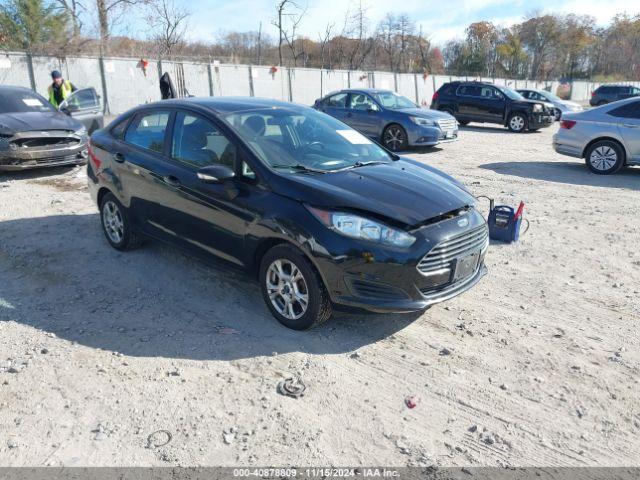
(150, 358)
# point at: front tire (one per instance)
(116, 224)
(517, 123)
(605, 157)
(292, 289)
(394, 138)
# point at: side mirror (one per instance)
(215, 174)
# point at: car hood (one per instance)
(569, 104)
(11, 123)
(404, 191)
(425, 113)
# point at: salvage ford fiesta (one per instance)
(34, 134)
(321, 214)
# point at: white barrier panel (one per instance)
(196, 78)
(360, 79)
(231, 80)
(333, 80)
(384, 81)
(305, 85)
(407, 86)
(42, 68)
(426, 89)
(129, 84)
(270, 83)
(85, 72)
(14, 70)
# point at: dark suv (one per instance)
(610, 93)
(488, 103)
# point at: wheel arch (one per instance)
(268, 243)
(101, 194)
(605, 139)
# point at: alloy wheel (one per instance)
(603, 158)
(113, 222)
(516, 123)
(287, 289)
(394, 138)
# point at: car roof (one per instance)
(360, 90)
(224, 105)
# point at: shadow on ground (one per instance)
(572, 173)
(60, 276)
(484, 128)
(35, 173)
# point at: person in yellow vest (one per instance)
(59, 89)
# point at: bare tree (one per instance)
(289, 16)
(324, 40)
(74, 9)
(109, 11)
(169, 20)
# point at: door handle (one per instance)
(171, 180)
(349, 114)
(630, 125)
(118, 157)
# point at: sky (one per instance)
(440, 20)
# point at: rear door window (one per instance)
(148, 130)
(630, 110)
(360, 101)
(469, 90)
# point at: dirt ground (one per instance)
(150, 358)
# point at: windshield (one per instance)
(550, 96)
(298, 141)
(393, 101)
(18, 101)
(511, 93)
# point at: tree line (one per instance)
(541, 46)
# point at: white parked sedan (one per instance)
(607, 137)
(560, 106)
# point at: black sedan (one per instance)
(321, 214)
(34, 134)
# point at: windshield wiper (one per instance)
(365, 164)
(299, 167)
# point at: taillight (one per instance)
(96, 161)
(593, 94)
(435, 97)
(568, 124)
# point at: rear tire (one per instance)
(394, 137)
(292, 289)
(116, 224)
(464, 123)
(517, 122)
(605, 157)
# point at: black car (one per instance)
(34, 134)
(488, 103)
(611, 93)
(321, 214)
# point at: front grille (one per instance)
(45, 142)
(443, 254)
(66, 158)
(366, 289)
(446, 124)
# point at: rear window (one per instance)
(147, 131)
(469, 90)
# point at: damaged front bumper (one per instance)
(39, 149)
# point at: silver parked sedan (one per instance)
(607, 137)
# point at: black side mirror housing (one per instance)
(215, 174)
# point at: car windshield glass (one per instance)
(393, 101)
(289, 139)
(511, 93)
(18, 101)
(551, 96)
